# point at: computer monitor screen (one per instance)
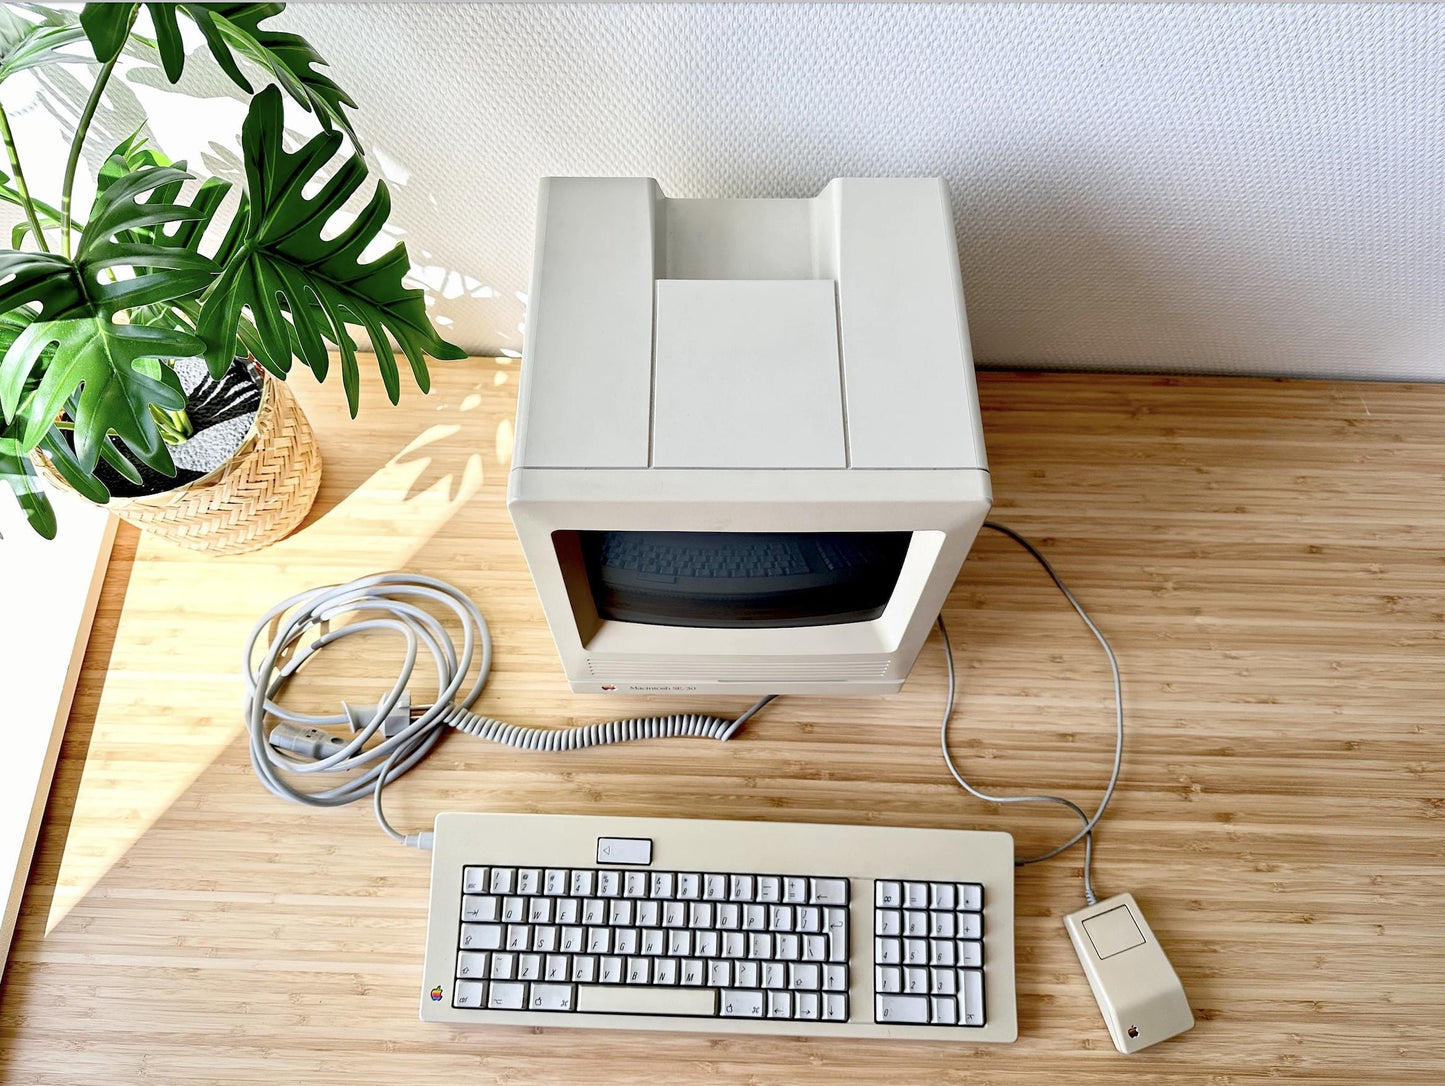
(741, 580)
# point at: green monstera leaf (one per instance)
(29, 43)
(230, 30)
(16, 470)
(78, 353)
(302, 288)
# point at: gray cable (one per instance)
(1089, 821)
(385, 602)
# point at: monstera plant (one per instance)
(96, 309)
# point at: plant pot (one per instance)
(257, 497)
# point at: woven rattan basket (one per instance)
(255, 498)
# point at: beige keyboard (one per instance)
(724, 927)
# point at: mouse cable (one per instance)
(1086, 833)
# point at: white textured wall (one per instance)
(1171, 187)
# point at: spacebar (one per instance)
(670, 1002)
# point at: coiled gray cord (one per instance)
(385, 601)
(1086, 834)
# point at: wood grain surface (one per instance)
(1268, 558)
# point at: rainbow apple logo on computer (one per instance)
(436, 994)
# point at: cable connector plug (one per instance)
(421, 840)
(312, 743)
(395, 723)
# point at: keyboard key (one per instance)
(475, 880)
(554, 882)
(970, 897)
(503, 965)
(648, 914)
(941, 952)
(539, 910)
(760, 945)
(968, 925)
(550, 997)
(915, 924)
(746, 974)
(755, 918)
(742, 1004)
(802, 976)
(556, 967)
(805, 1006)
(828, 891)
(887, 922)
(835, 1007)
(472, 964)
(568, 911)
(679, 944)
(544, 937)
(503, 880)
(944, 1011)
(662, 884)
(941, 895)
(900, 1009)
(970, 953)
(915, 981)
(780, 918)
(809, 918)
(835, 978)
(529, 967)
(481, 936)
(795, 890)
(770, 889)
(609, 970)
(836, 923)
(815, 948)
(707, 944)
(730, 916)
(639, 971)
(775, 975)
(674, 914)
(788, 947)
(653, 942)
(915, 895)
(888, 951)
(468, 993)
(970, 986)
(714, 888)
(619, 912)
(634, 884)
(529, 881)
(720, 973)
(673, 1002)
(481, 909)
(733, 944)
(584, 969)
(689, 886)
(599, 940)
(519, 937)
(740, 888)
(887, 895)
(940, 925)
(506, 996)
(915, 951)
(692, 972)
(665, 971)
(780, 1004)
(626, 940)
(888, 979)
(609, 884)
(582, 883)
(594, 911)
(942, 982)
(700, 914)
(514, 910)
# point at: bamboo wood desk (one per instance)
(1268, 558)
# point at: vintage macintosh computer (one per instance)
(748, 459)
